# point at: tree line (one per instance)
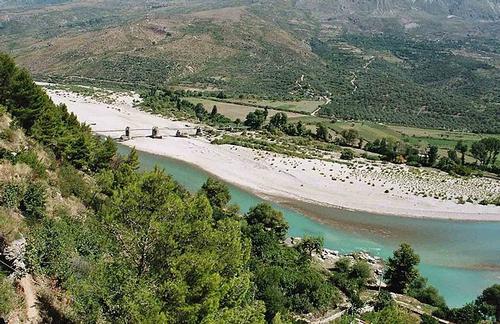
(485, 151)
(48, 123)
(169, 102)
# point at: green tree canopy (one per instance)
(271, 219)
(402, 268)
(255, 120)
(391, 315)
(310, 245)
(216, 192)
(462, 148)
(349, 135)
(491, 297)
(322, 133)
(278, 121)
(486, 150)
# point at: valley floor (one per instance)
(363, 185)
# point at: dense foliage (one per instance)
(48, 123)
(7, 296)
(148, 222)
(144, 249)
(421, 89)
(170, 103)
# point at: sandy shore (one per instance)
(366, 186)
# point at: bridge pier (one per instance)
(125, 137)
(155, 133)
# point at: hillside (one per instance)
(419, 63)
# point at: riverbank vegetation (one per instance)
(170, 103)
(457, 153)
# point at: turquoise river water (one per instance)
(458, 258)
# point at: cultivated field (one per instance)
(440, 138)
(234, 111)
(420, 137)
(305, 106)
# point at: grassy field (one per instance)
(305, 106)
(367, 130)
(440, 138)
(420, 137)
(234, 111)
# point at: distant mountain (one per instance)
(432, 63)
(466, 9)
(425, 16)
(25, 3)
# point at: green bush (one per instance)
(30, 158)
(390, 314)
(462, 170)
(11, 195)
(414, 164)
(428, 319)
(384, 299)
(429, 295)
(347, 154)
(33, 202)
(7, 134)
(71, 182)
(7, 296)
(372, 157)
(425, 293)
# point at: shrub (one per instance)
(347, 154)
(71, 182)
(429, 295)
(33, 202)
(384, 299)
(11, 195)
(390, 314)
(8, 134)
(372, 157)
(10, 227)
(462, 170)
(469, 313)
(7, 296)
(420, 290)
(414, 164)
(428, 319)
(30, 158)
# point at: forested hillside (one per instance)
(107, 243)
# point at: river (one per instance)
(458, 258)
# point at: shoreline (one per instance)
(295, 204)
(280, 178)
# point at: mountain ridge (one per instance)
(489, 9)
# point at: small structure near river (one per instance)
(155, 133)
(126, 136)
